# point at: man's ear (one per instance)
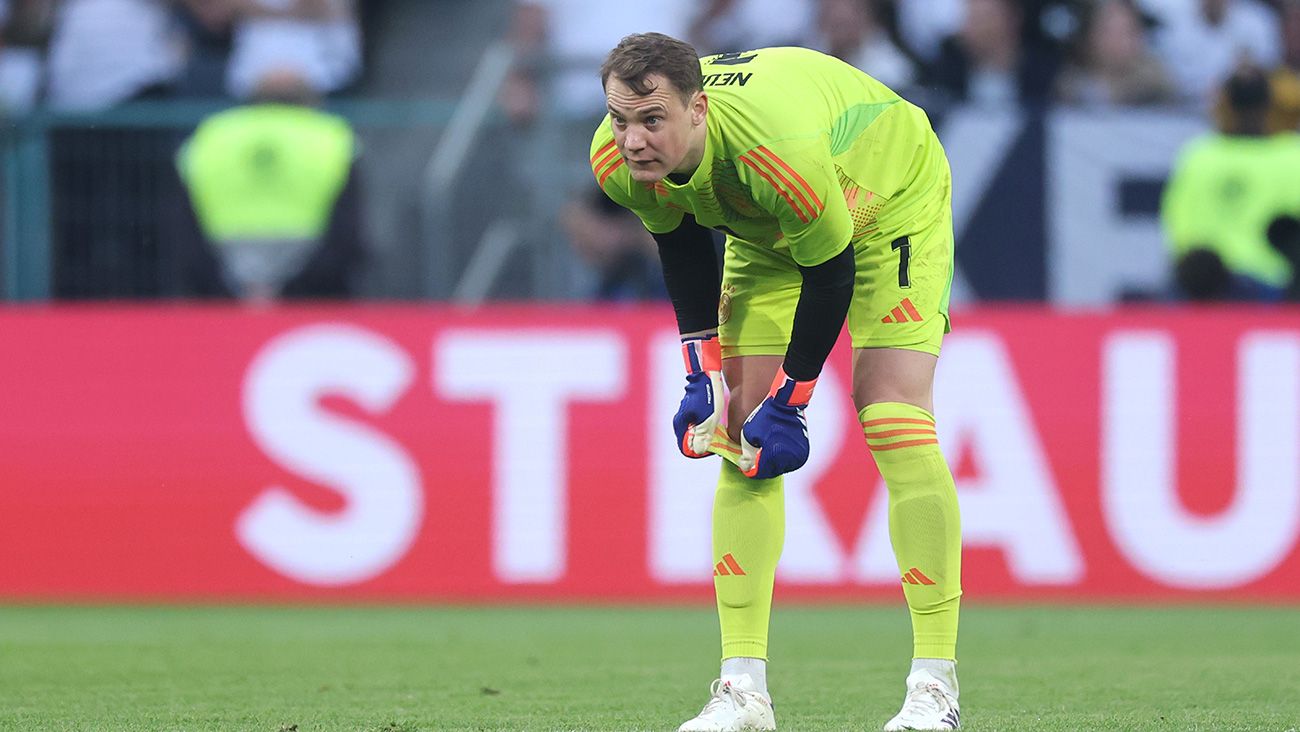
(699, 108)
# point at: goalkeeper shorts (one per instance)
(900, 292)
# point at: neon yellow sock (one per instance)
(924, 520)
(748, 533)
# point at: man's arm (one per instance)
(691, 276)
(823, 304)
(693, 281)
(774, 438)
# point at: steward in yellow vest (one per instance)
(274, 199)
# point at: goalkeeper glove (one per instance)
(704, 403)
(774, 440)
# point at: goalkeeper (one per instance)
(835, 197)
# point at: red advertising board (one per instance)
(417, 453)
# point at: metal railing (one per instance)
(33, 158)
(444, 168)
(92, 179)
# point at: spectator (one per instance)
(320, 39)
(208, 25)
(924, 26)
(1227, 188)
(1284, 237)
(1285, 115)
(1112, 65)
(274, 199)
(105, 52)
(616, 247)
(724, 26)
(1201, 46)
(850, 30)
(1201, 276)
(23, 26)
(566, 40)
(988, 62)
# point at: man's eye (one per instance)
(652, 120)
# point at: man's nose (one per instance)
(633, 140)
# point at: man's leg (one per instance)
(748, 533)
(748, 529)
(760, 289)
(893, 390)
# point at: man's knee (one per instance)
(893, 375)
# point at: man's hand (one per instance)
(704, 403)
(774, 440)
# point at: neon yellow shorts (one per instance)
(900, 294)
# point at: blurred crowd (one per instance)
(82, 55)
(1092, 54)
(1237, 62)
(260, 202)
(1087, 52)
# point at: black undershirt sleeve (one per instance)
(693, 279)
(818, 318)
(691, 275)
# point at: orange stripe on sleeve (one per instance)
(798, 211)
(601, 152)
(798, 178)
(610, 171)
(786, 184)
(609, 157)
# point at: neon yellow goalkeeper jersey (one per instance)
(803, 152)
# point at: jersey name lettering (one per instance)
(731, 78)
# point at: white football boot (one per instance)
(929, 705)
(735, 707)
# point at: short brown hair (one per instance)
(642, 54)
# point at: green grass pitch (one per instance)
(402, 669)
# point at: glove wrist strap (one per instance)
(702, 354)
(786, 390)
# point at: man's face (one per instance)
(653, 132)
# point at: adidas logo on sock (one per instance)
(728, 566)
(914, 577)
(903, 312)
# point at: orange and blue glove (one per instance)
(774, 440)
(705, 400)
